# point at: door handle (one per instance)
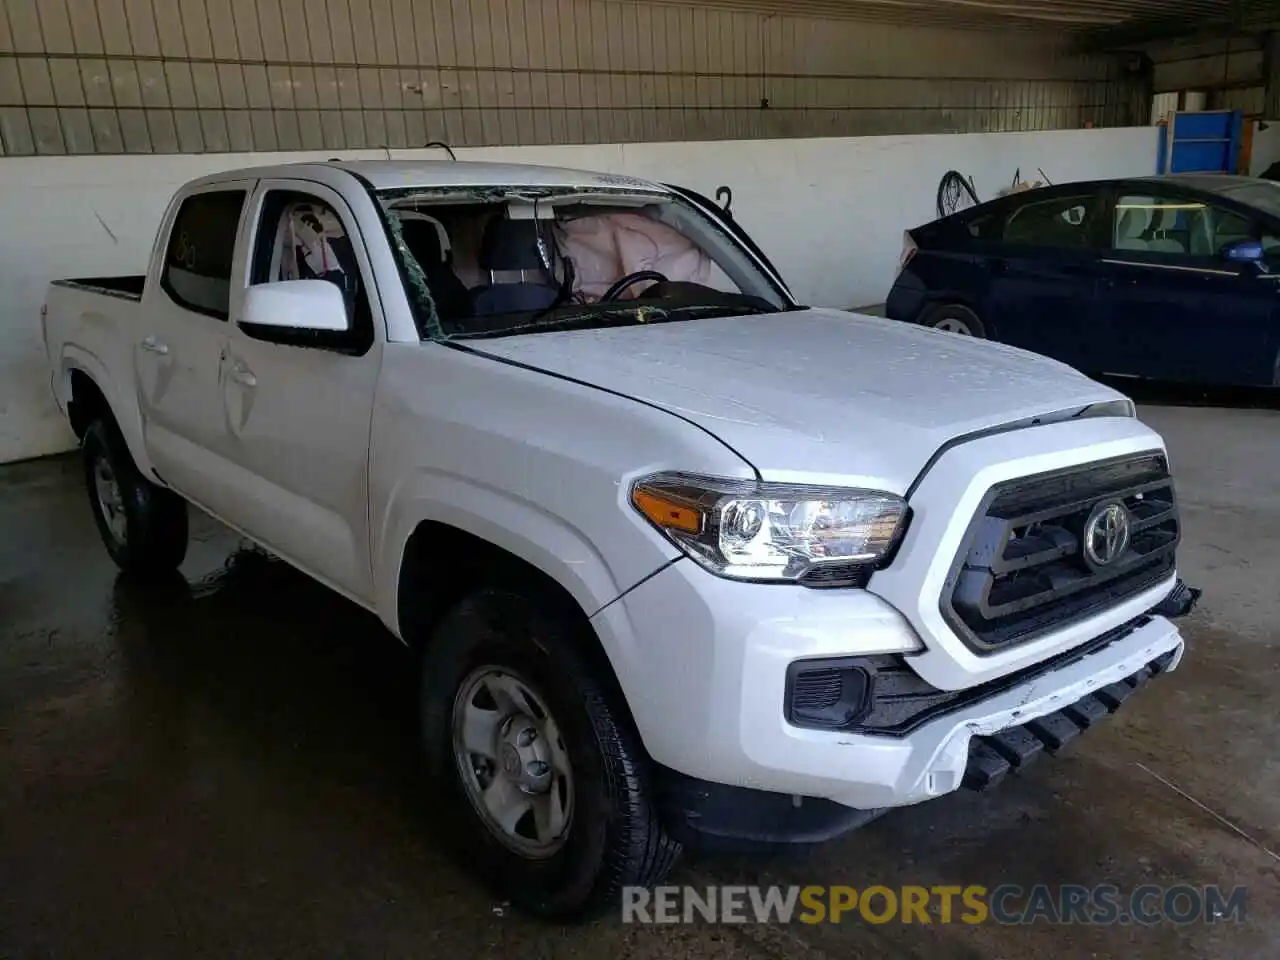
(242, 375)
(152, 345)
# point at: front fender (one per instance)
(526, 530)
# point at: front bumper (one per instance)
(721, 818)
(717, 713)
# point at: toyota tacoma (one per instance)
(684, 563)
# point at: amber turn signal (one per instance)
(667, 514)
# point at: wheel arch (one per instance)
(440, 555)
(89, 395)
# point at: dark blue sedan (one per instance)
(1171, 278)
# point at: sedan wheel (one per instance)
(953, 325)
(955, 318)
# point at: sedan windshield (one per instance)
(1263, 195)
(495, 262)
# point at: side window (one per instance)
(1176, 226)
(1064, 222)
(1222, 227)
(201, 251)
(986, 226)
(301, 237)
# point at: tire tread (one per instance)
(637, 850)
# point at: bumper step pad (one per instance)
(992, 757)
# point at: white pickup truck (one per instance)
(685, 563)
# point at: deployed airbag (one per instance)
(606, 248)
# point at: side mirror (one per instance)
(1243, 251)
(315, 305)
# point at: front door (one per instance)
(1043, 267)
(297, 405)
(1176, 309)
(181, 332)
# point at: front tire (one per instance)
(546, 779)
(955, 318)
(143, 526)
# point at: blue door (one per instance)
(1044, 271)
(1200, 142)
(1173, 307)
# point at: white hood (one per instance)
(816, 395)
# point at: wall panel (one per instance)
(137, 76)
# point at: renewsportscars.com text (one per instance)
(1104, 904)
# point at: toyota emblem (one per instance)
(1106, 534)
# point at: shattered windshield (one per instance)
(500, 262)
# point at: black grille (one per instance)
(1023, 571)
(817, 690)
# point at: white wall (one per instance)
(829, 212)
(1266, 147)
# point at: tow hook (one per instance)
(1181, 600)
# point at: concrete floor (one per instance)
(228, 768)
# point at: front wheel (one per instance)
(546, 779)
(143, 526)
(954, 318)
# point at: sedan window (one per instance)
(1060, 222)
(1176, 226)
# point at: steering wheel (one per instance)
(629, 280)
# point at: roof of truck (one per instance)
(402, 174)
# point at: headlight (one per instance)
(823, 536)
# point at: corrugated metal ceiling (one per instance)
(1163, 16)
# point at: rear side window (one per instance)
(1179, 226)
(202, 247)
(986, 226)
(1062, 222)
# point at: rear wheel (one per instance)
(955, 318)
(547, 782)
(143, 526)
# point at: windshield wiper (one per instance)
(724, 310)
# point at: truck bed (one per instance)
(90, 324)
(126, 288)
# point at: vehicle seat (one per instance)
(1202, 234)
(314, 246)
(1131, 227)
(511, 247)
(1159, 239)
(423, 238)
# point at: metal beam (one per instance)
(1241, 17)
(1271, 75)
(1140, 33)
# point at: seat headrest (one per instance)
(1133, 221)
(510, 245)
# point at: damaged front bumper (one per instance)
(1181, 600)
(973, 746)
(992, 757)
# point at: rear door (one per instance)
(1176, 309)
(1044, 267)
(296, 405)
(182, 328)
